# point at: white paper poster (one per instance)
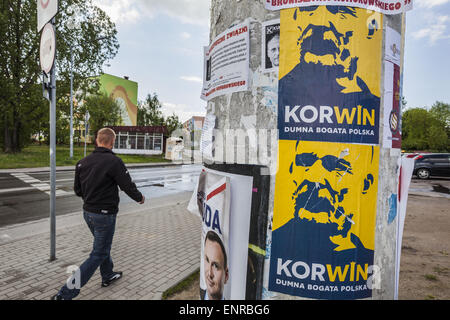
(226, 62)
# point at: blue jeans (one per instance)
(102, 228)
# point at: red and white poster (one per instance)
(226, 62)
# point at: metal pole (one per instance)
(53, 161)
(71, 103)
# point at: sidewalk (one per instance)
(156, 245)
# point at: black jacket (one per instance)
(96, 179)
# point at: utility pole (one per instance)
(315, 140)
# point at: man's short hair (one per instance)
(214, 237)
(106, 136)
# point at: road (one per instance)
(25, 196)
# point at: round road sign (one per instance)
(47, 48)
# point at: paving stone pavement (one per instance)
(155, 247)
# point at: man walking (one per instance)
(96, 180)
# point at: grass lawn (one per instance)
(35, 156)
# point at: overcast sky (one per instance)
(161, 48)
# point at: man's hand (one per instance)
(143, 200)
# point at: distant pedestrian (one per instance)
(97, 178)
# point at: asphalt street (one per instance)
(24, 196)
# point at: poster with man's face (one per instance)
(270, 54)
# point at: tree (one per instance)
(103, 111)
(21, 104)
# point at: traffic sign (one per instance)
(46, 10)
(47, 50)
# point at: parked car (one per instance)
(432, 164)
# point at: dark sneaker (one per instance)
(56, 297)
(116, 276)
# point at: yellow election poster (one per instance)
(326, 184)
